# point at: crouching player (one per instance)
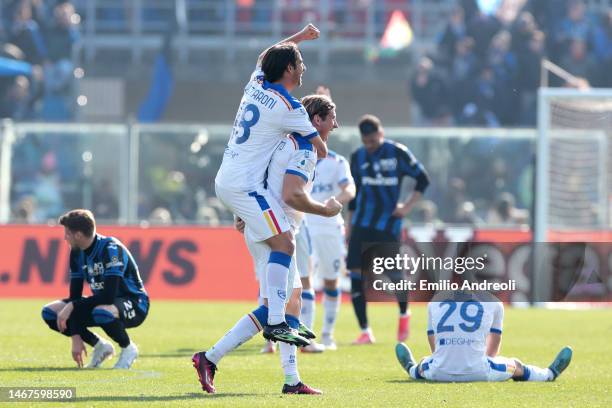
(119, 300)
(289, 179)
(465, 338)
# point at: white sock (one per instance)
(413, 372)
(331, 306)
(538, 373)
(242, 331)
(307, 314)
(277, 274)
(288, 354)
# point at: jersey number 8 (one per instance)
(247, 124)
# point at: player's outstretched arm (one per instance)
(310, 32)
(296, 196)
(432, 342)
(493, 344)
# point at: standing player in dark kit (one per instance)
(378, 168)
(119, 299)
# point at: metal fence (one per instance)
(165, 173)
(232, 26)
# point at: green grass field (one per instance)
(32, 355)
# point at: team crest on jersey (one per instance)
(305, 164)
(388, 164)
(115, 262)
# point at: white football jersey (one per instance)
(332, 172)
(294, 155)
(461, 330)
(267, 113)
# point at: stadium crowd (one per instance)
(484, 65)
(482, 68)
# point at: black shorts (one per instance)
(131, 312)
(360, 236)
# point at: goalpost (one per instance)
(573, 161)
(573, 183)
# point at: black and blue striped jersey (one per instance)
(106, 262)
(378, 179)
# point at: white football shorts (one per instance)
(495, 369)
(330, 252)
(259, 210)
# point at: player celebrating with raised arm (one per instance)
(289, 179)
(119, 299)
(376, 213)
(464, 335)
(267, 113)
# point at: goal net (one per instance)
(573, 194)
(574, 161)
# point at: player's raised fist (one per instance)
(332, 207)
(310, 32)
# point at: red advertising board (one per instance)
(174, 262)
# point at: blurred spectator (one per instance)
(47, 193)
(523, 32)
(60, 38)
(465, 62)
(482, 28)
(575, 25)
(454, 32)
(505, 213)
(104, 201)
(578, 62)
(602, 47)
(480, 98)
(15, 96)
(25, 33)
(432, 93)
(466, 214)
(504, 65)
(529, 67)
(24, 211)
(160, 216)
(425, 212)
(208, 216)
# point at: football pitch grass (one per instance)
(31, 355)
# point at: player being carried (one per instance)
(289, 180)
(119, 299)
(464, 332)
(267, 113)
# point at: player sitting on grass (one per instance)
(119, 299)
(289, 180)
(464, 335)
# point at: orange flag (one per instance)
(398, 33)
